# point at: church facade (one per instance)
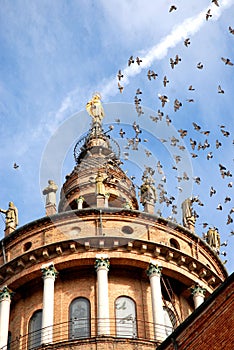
(98, 272)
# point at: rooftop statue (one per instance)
(148, 191)
(213, 239)
(100, 187)
(50, 192)
(187, 211)
(11, 216)
(95, 109)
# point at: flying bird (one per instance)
(208, 15)
(218, 144)
(163, 99)
(130, 61)
(177, 59)
(183, 133)
(122, 133)
(177, 105)
(194, 155)
(15, 166)
(207, 132)
(209, 156)
(168, 120)
(193, 143)
(227, 61)
(225, 133)
(191, 88)
(199, 65)
(187, 42)
(165, 81)
(227, 199)
(137, 100)
(231, 30)
(120, 87)
(215, 2)
(172, 63)
(220, 90)
(172, 8)
(119, 75)
(197, 180)
(138, 92)
(212, 191)
(151, 74)
(196, 127)
(148, 153)
(138, 61)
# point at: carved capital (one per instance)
(102, 262)
(48, 270)
(198, 289)
(154, 269)
(6, 293)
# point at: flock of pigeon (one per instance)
(196, 146)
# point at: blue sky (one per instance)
(55, 54)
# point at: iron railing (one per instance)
(84, 329)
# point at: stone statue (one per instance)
(50, 192)
(213, 238)
(95, 109)
(11, 216)
(148, 192)
(187, 212)
(100, 187)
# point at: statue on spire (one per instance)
(95, 109)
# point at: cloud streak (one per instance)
(188, 27)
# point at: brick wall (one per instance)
(211, 326)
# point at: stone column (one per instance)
(107, 196)
(49, 274)
(198, 292)
(154, 273)
(102, 267)
(149, 207)
(5, 301)
(100, 201)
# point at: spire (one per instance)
(97, 179)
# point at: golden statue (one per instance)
(11, 216)
(95, 109)
(100, 187)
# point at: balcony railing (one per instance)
(80, 330)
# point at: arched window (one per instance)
(125, 312)
(174, 243)
(169, 320)
(34, 330)
(79, 316)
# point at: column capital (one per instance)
(6, 294)
(48, 270)
(198, 289)
(102, 261)
(154, 269)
